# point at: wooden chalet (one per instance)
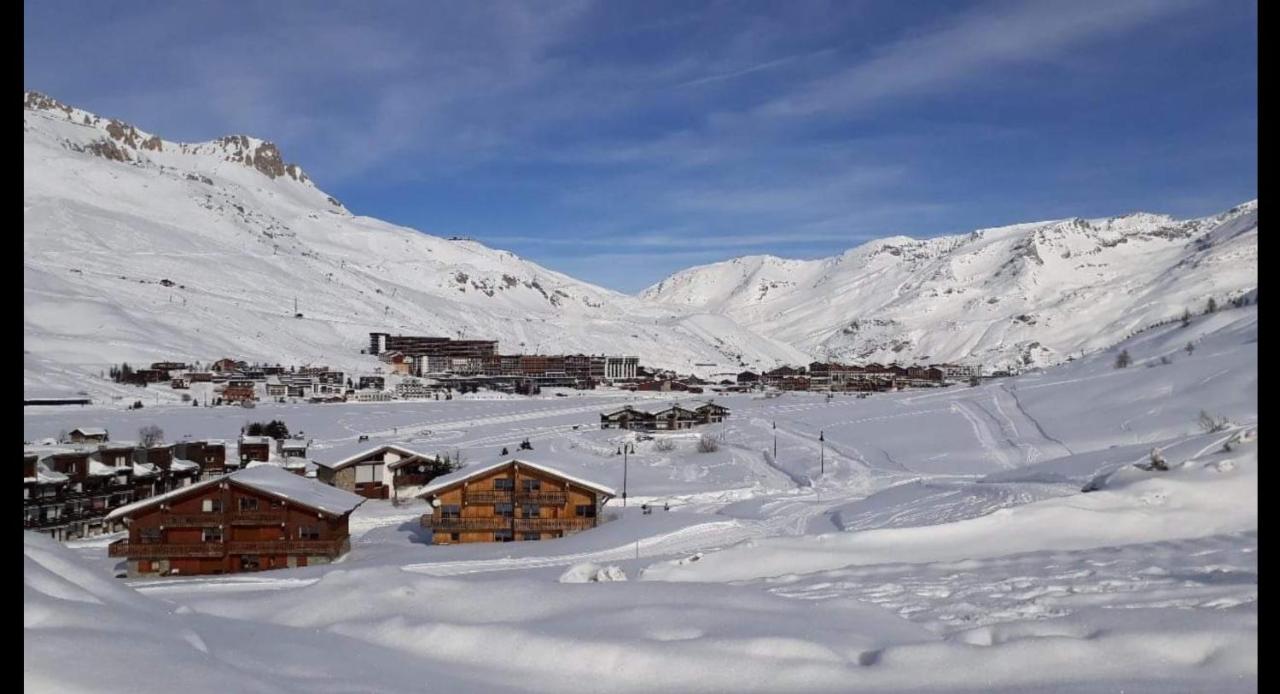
(251, 448)
(627, 417)
(675, 417)
(711, 413)
(209, 454)
(370, 473)
(239, 393)
(88, 435)
(511, 500)
(250, 520)
(227, 365)
(748, 378)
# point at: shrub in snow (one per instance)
(664, 445)
(1211, 423)
(707, 444)
(1157, 460)
(1123, 359)
(591, 573)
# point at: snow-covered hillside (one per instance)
(1028, 294)
(140, 249)
(877, 559)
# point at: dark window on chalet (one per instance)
(450, 511)
(308, 532)
(503, 536)
(503, 484)
(531, 536)
(248, 503)
(585, 510)
(532, 485)
(532, 510)
(149, 535)
(504, 510)
(250, 562)
(212, 535)
(455, 537)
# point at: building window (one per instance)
(368, 474)
(532, 485)
(504, 510)
(211, 505)
(585, 511)
(250, 562)
(148, 536)
(212, 535)
(503, 484)
(308, 532)
(450, 511)
(532, 511)
(503, 536)
(248, 503)
(531, 536)
(455, 537)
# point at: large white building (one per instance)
(621, 368)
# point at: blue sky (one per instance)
(619, 142)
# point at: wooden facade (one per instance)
(670, 419)
(373, 474)
(511, 501)
(230, 525)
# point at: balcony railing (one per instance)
(487, 496)
(539, 524)
(493, 496)
(124, 548)
(456, 524)
(191, 520)
(548, 498)
(256, 517)
(329, 547)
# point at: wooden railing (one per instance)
(456, 524)
(191, 520)
(536, 524)
(330, 547)
(487, 496)
(255, 517)
(548, 498)
(124, 548)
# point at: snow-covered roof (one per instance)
(90, 431)
(183, 465)
(372, 451)
(98, 469)
(256, 439)
(293, 444)
(269, 479)
(470, 472)
(145, 470)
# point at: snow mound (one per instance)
(587, 572)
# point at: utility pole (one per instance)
(822, 461)
(624, 475)
(775, 443)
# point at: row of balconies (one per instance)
(124, 548)
(453, 524)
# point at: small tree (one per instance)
(1186, 317)
(151, 435)
(708, 444)
(1123, 359)
(664, 445)
(1190, 348)
(1211, 306)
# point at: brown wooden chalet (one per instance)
(87, 435)
(257, 448)
(511, 500)
(671, 418)
(374, 473)
(250, 520)
(627, 417)
(675, 417)
(209, 454)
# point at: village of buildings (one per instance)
(257, 502)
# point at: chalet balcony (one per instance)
(547, 498)
(541, 524)
(191, 520)
(124, 548)
(331, 548)
(487, 496)
(257, 517)
(457, 524)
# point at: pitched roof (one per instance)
(90, 431)
(351, 460)
(268, 479)
(470, 472)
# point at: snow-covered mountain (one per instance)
(1027, 294)
(139, 249)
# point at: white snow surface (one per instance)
(935, 541)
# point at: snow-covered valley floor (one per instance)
(935, 541)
